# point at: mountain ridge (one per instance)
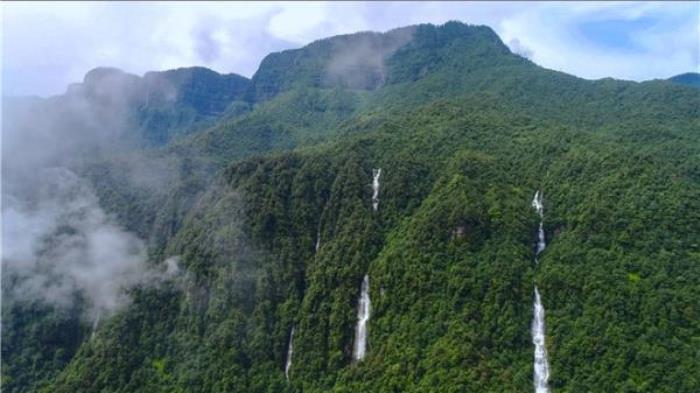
(689, 78)
(269, 214)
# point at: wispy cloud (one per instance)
(48, 45)
(58, 244)
(621, 40)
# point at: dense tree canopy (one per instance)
(465, 132)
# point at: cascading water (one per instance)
(290, 352)
(540, 240)
(375, 188)
(541, 366)
(318, 236)
(541, 374)
(537, 204)
(364, 308)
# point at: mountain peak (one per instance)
(101, 75)
(369, 60)
(691, 79)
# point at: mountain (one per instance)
(159, 105)
(689, 79)
(267, 203)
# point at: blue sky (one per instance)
(46, 46)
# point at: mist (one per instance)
(360, 63)
(59, 244)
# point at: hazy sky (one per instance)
(46, 46)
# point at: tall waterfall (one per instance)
(364, 308)
(541, 374)
(537, 204)
(375, 188)
(290, 352)
(541, 366)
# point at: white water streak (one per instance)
(540, 239)
(539, 206)
(375, 188)
(537, 203)
(541, 364)
(290, 352)
(541, 372)
(364, 309)
(318, 236)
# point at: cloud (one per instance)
(665, 45)
(135, 37)
(47, 45)
(518, 48)
(360, 63)
(58, 244)
(207, 47)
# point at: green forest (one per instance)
(269, 213)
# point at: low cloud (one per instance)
(208, 49)
(59, 243)
(519, 49)
(360, 63)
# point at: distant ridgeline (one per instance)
(688, 79)
(162, 104)
(273, 205)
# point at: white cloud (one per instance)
(47, 45)
(286, 22)
(668, 47)
(62, 242)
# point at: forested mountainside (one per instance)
(689, 79)
(403, 178)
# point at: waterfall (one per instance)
(540, 240)
(318, 236)
(375, 188)
(541, 366)
(95, 323)
(364, 308)
(537, 204)
(541, 374)
(290, 352)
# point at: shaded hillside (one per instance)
(690, 79)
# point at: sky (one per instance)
(46, 46)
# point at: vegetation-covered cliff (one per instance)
(266, 206)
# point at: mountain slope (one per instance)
(451, 306)
(690, 79)
(437, 62)
(465, 132)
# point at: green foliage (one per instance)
(464, 132)
(689, 78)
